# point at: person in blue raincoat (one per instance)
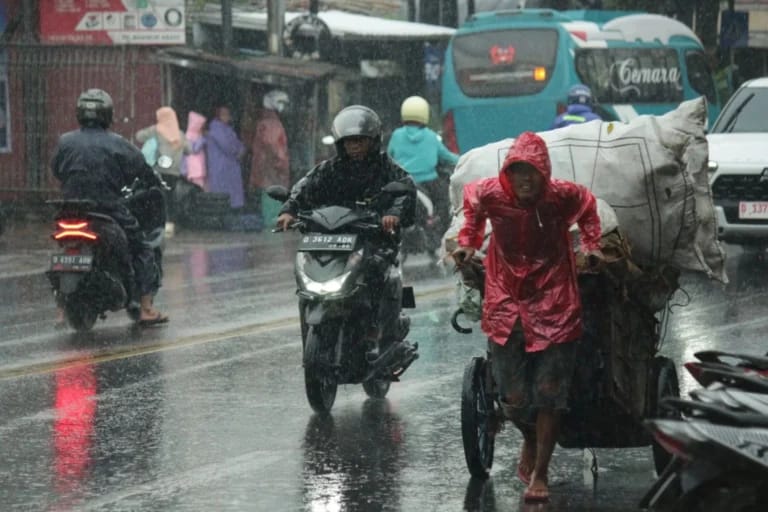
(419, 150)
(579, 110)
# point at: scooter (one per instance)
(350, 300)
(89, 273)
(720, 446)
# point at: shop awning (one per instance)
(345, 26)
(262, 68)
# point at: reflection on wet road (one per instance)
(209, 412)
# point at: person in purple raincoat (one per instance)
(224, 153)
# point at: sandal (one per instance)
(158, 319)
(536, 496)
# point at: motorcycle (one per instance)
(89, 275)
(719, 447)
(432, 220)
(340, 264)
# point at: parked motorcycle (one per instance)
(350, 300)
(720, 445)
(89, 275)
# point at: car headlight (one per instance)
(711, 166)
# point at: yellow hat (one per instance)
(415, 108)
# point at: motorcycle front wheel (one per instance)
(319, 384)
(376, 388)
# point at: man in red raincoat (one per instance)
(531, 305)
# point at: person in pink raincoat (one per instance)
(270, 164)
(194, 167)
(531, 305)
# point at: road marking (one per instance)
(126, 352)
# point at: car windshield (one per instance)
(745, 113)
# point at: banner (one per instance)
(151, 22)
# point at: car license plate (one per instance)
(753, 209)
(71, 262)
(322, 242)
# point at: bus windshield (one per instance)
(631, 75)
(504, 62)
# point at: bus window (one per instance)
(700, 76)
(504, 62)
(631, 75)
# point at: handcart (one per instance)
(620, 378)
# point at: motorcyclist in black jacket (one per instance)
(95, 163)
(357, 172)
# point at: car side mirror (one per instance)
(278, 193)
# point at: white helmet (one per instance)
(276, 100)
(415, 108)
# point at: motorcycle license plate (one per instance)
(71, 262)
(322, 242)
(753, 210)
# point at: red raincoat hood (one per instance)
(529, 148)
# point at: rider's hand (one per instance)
(389, 223)
(284, 221)
(463, 255)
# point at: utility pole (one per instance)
(226, 26)
(275, 23)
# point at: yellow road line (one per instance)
(187, 341)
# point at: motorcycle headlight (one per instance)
(712, 166)
(323, 287)
(326, 287)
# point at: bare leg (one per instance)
(513, 411)
(148, 311)
(547, 427)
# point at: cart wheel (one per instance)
(476, 415)
(666, 385)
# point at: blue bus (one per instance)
(507, 72)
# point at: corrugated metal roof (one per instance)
(343, 25)
(261, 68)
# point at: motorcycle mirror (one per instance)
(278, 193)
(396, 188)
(328, 140)
(164, 162)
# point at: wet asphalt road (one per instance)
(209, 413)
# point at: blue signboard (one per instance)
(734, 29)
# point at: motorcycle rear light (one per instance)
(695, 370)
(561, 108)
(71, 233)
(673, 445)
(74, 229)
(66, 224)
(449, 132)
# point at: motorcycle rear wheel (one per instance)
(319, 385)
(80, 316)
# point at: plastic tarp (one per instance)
(652, 171)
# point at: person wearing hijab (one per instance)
(171, 142)
(194, 166)
(224, 151)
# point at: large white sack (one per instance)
(652, 171)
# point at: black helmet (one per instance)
(356, 121)
(94, 108)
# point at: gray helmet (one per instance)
(356, 121)
(94, 108)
